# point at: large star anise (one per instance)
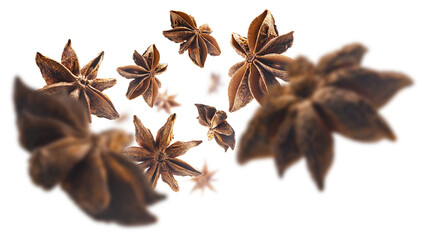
(197, 41)
(89, 167)
(203, 181)
(166, 102)
(218, 127)
(336, 95)
(145, 83)
(263, 62)
(82, 84)
(158, 157)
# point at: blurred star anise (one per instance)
(218, 127)
(144, 83)
(203, 181)
(89, 167)
(336, 95)
(262, 49)
(82, 84)
(158, 157)
(197, 41)
(166, 102)
(215, 82)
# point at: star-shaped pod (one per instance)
(166, 102)
(89, 167)
(144, 73)
(82, 84)
(253, 77)
(336, 95)
(197, 41)
(218, 127)
(158, 157)
(203, 181)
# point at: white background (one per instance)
(373, 191)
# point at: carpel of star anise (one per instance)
(166, 102)
(158, 157)
(203, 181)
(144, 73)
(218, 127)
(197, 41)
(82, 84)
(88, 166)
(336, 95)
(262, 49)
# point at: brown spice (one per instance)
(336, 95)
(262, 49)
(215, 82)
(203, 181)
(197, 41)
(166, 102)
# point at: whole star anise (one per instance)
(82, 84)
(166, 102)
(218, 127)
(336, 95)
(253, 77)
(158, 157)
(89, 167)
(145, 82)
(197, 41)
(203, 181)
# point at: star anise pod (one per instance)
(197, 41)
(336, 95)
(166, 102)
(158, 157)
(218, 127)
(89, 167)
(215, 82)
(203, 181)
(145, 82)
(262, 49)
(82, 84)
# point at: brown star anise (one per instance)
(203, 181)
(336, 95)
(166, 102)
(158, 157)
(197, 41)
(215, 82)
(218, 127)
(263, 62)
(144, 83)
(89, 167)
(82, 84)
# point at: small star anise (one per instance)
(215, 82)
(336, 95)
(89, 167)
(158, 157)
(263, 62)
(166, 102)
(82, 84)
(197, 41)
(218, 127)
(203, 181)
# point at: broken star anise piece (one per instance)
(262, 49)
(82, 84)
(203, 181)
(336, 95)
(218, 127)
(197, 41)
(166, 102)
(144, 73)
(89, 167)
(158, 157)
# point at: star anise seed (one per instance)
(197, 41)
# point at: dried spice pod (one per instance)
(144, 73)
(82, 84)
(215, 82)
(158, 157)
(204, 181)
(218, 127)
(89, 167)
(262, 49)
(336, 95)
(197, 41)
(166, 102)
